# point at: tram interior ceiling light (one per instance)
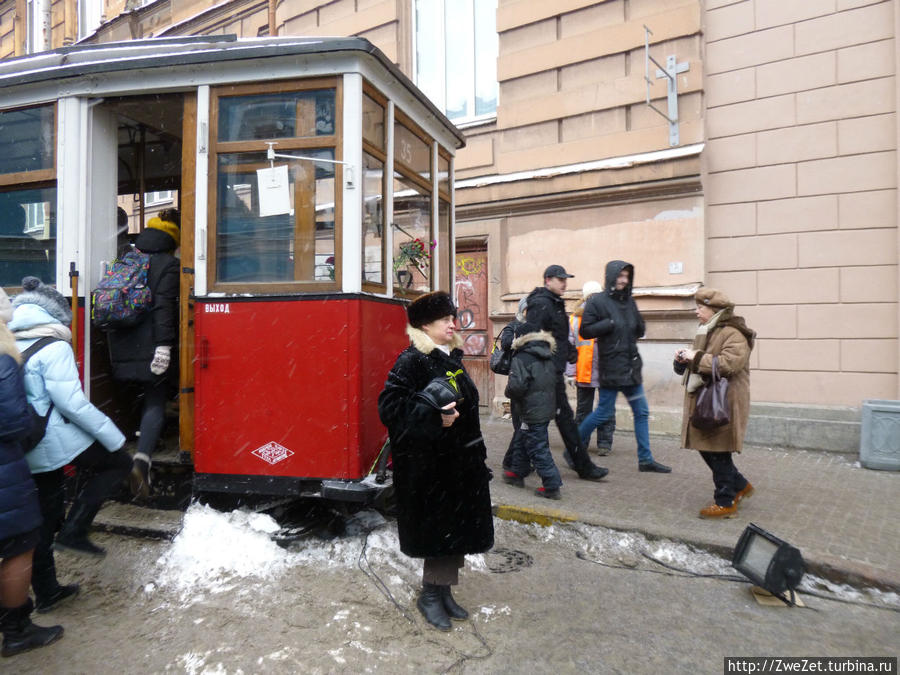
(769, 562)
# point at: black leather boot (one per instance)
(73, 535)
(454, 611)
(20, 635)
(431, 604)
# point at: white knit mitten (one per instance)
(162, 357)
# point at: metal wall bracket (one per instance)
(670, 71)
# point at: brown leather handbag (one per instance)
(711, 410)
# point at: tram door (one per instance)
(141, 151)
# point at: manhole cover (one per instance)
(502, 560)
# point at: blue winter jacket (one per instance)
(51, 374)
(20, 510)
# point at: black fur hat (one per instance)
(430, 307)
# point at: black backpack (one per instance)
(38, 422)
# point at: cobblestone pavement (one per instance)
(845, 519)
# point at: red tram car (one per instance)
(304, 170)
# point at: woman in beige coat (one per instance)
(726, 336)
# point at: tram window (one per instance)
(443, 174)
(26, 139)
(373, 220)
(446, 267)
(27, 236)
(412, 221)
(286, 247)
(412, 151)
(292, 114)
(373, 122)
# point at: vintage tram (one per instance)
(308, 173)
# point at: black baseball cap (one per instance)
(557, 271)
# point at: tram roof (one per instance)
(85, 60)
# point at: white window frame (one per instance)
(437, 90)
(159, 197)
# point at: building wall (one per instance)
(786, 197)
(801, 191)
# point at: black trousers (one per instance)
(104, 471)
(584, 405)
(727, 479)
(153, 415)
(565, 422)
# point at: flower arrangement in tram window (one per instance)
(414, 253)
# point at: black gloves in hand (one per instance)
(439, 392)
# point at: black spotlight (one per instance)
(768, 562)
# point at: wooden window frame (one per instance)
(334, 142)
(409, 173)
(380, 155)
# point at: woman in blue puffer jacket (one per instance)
(20, 514)
(77, 432)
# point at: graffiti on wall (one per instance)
(470, 296)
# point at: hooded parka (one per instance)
(19, 507)
(612, 317)
(440, 475)
(547, 311)
(532, 377)
(731, 340)
(131, 349)
(51, 375)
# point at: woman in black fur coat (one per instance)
(430, 407)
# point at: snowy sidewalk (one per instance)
(844, 519)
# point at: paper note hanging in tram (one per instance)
(274, 194)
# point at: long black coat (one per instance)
(131, 349)
(547, 311)
(440, 476)
(20, 511)
(612, 317)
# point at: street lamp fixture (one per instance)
(769, 562)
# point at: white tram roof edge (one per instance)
(86, 61)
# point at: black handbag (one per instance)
(711, 410)
(501, 359)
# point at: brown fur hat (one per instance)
(430, 307)
(712, 297)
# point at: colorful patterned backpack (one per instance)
(122, 297)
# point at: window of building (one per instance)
(252, 245)
(28, 195)
(456, 48)
(160, 197)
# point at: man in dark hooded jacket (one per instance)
(547, 311)
(612, 317)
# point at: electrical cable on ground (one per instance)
(581, 555)
(382, 587)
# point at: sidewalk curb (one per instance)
(844, 572)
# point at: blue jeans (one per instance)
(606, 409)
(533, 449)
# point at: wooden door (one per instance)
(470, 291)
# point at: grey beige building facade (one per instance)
(777, 182)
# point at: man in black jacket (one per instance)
(612, 317)
(547, 311)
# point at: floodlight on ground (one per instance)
(769, 562)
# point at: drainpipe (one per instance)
(896, 4)
(273, 29)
